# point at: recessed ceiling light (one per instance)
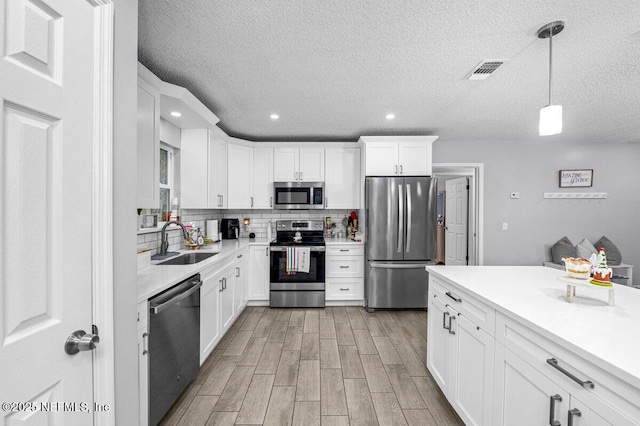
(176, 114)
(390, 116)
(274, 116)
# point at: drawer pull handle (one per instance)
(344, 289)
(451, 330)
(456, 298)
(552, 409)
(573, 413)
(585, 384)
(444, 320)
(344, 267)
(344, 249)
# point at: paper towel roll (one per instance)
(212, 229)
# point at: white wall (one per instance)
(124, 200)
(532, 169)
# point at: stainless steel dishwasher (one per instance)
(174, 344)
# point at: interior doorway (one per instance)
(460, 206)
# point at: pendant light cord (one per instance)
(550, 61)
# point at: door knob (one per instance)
(80, 341)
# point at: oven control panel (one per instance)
(299, 225)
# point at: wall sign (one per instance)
(576, 178)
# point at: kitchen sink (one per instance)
(188, 259)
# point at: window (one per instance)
(166, 181)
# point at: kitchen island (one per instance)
(506, 347)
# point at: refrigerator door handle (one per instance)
(408, 248)
(400, 218)
(398, 265)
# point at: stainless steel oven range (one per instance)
(297, 263)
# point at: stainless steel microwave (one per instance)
(298, 195)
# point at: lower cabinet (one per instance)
(344, 272)
(460, 357)
(210, 331)
(143, 361)
(227, 298)
(259, 273)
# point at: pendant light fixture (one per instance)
(551, 115)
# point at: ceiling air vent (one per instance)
(485, 68)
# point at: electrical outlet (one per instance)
(515, 195)
(505, 226)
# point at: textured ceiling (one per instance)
(332, 69)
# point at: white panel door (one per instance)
(456, 219)
(286, 164)
(227, 301)
(414, 158)
(240, 176)
(259, 278)
(311, 164)
(438, 348)
(381, 159)
(262, 178)
(342, 178)
(194, 173)
(219, 173)
(209, 316)
(148, 146)
(46, 140)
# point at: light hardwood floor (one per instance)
(331, 366)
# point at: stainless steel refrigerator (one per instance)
(400, 241)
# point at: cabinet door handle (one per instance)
(270, 201)
(251, 201)
(267, 252)
(300, 175)
(295, 174)
(444, 320)
(344, 289)
(451, 330)
(400, 168)
(584, 383)
(220, 287)
(145, 343)
(396, 172)
(224, 283)
(344, 266)
(552, 409)
(344, 249)
(222, 202)
(239, 256)
(326, 202)
(573, 413)
(456, 298)
(237, 272)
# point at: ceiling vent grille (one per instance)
(485, 68)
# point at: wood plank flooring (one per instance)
(331, 366)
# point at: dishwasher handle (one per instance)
(161, 307)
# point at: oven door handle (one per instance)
(284, 248)
(173, 301)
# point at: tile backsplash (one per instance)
(259, 222)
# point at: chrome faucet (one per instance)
(164, 246)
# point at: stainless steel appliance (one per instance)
(299, 289)
(298, 195)
(401, 241)
(230, 229)
(174, 344)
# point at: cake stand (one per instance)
(572, 283)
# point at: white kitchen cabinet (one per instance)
(240, 176)
(227, 298)
(398, 156)
(298, 164)
(143, 361)
(259, 273)
(344, 272)
(148, 140)
(203, 170)
(210, 331)
(262, 178)
(461, 354)
(241, 281)
(342, 178)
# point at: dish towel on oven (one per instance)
(291, 263)
(302, 255)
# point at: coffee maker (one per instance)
(230, 229)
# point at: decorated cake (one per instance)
(601, 272)
(577, 267)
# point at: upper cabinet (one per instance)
(148, 142)
(203, 170)
(342, 178)
(398, 156)
(262, 178)
(240, 176)
(298, 164)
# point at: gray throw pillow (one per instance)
(563, 248)
(585, 249)
(614, 257)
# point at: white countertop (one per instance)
(156, 278)
(608, 336)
